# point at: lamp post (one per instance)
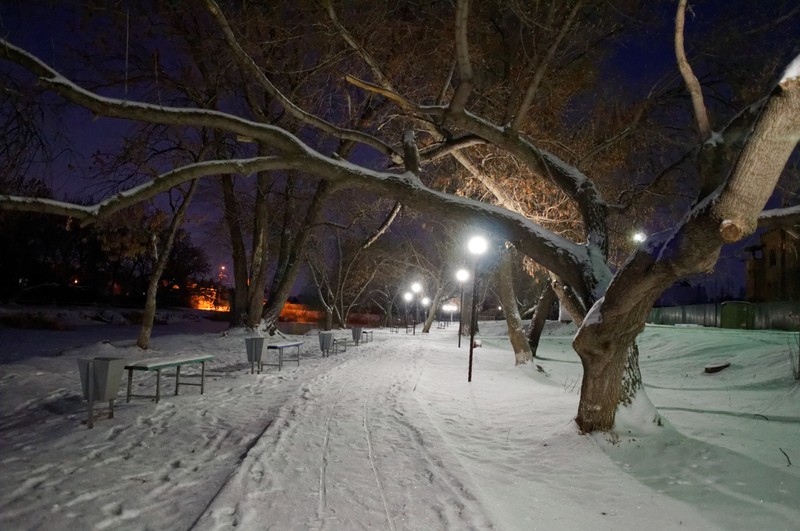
(462, 275)
(425, 302)
(416, 288)
(477, 245)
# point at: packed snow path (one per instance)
(389, 435)
(372, 441)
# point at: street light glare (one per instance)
(462, 275)
(477, 245)
(408, 296)
(426, 301)
(639, 237)
(416, 287)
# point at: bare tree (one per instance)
(610, 308)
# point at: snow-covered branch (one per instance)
(117, 108)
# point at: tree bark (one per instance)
(522, 351)
(258, 256)
(149, 315)
(284, 285)
(543, 307)
(605, 339)
(238, 253)
(437, 298)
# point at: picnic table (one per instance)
(158, 364)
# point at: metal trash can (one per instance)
(325, 342)
(357, 334)
(255, 350)
(100, 379)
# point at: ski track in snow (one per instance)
(265, 490)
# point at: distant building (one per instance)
(773, 266)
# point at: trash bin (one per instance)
(325, 342)
(255, 349)
(100, 379)
(357, 334)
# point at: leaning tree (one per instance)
(739, 163)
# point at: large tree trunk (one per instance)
(241, 286)
(286, 277)
(522, 351)
(437, 298)
(258, 256)
(149, 315)
(608, 333)
(540, 314)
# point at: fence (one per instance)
(779, 315)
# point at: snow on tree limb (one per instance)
(779, 217)
(550, 250)
(792, 71)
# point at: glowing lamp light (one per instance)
(425, 301)
(639, 236)
(416, 287)
(408, 296)
(462, 275)
(477, 245)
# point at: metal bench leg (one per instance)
(158, 385)
(130, 379)
(203, 376)
(177, 379)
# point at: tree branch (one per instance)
(398, 206)
(268, 134)
(692, 84)
(247, 63)
(465, 74)
(538, 76)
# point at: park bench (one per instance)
(281, 347)
(157, 364)
(367, 335)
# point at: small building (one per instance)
(773, 266)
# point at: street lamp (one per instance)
(425, 302)
(462, 275)
(639, 236)
(477, 245)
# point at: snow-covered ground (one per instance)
(389, 435)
